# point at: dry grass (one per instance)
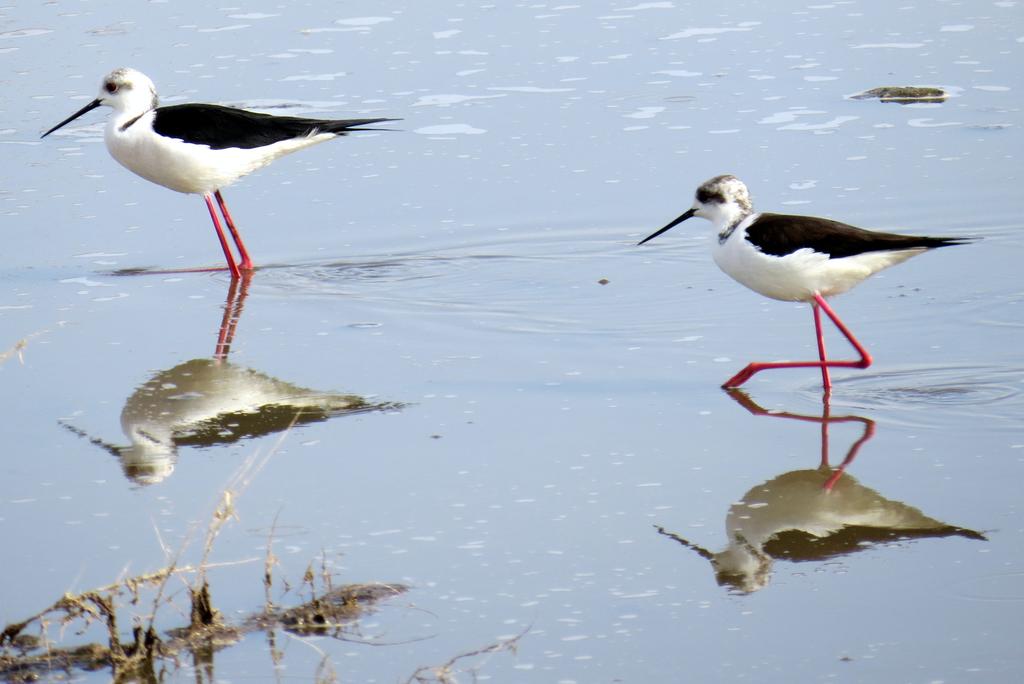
(27, 652)
(448, 672)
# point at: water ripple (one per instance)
(993, 393)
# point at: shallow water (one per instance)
(533, 427)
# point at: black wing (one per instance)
(223, 127)
(780, 234)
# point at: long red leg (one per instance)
(863, 362)
(826, 381)
(246, 264)
(232, 266)
(865, 358)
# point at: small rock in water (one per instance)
(903, 94)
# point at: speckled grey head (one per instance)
(129, 92)
(723, 200)
(725, 189)
(129, 89)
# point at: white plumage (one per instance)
(799, 275)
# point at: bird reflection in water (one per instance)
(208, 402)
(810, 515)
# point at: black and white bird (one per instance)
(200, 148)
(796, 259)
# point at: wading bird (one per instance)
(796, 259)
(200, 148)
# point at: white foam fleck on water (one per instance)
(220, 29)
(315, 77)
(531, 89)
(363, 21)
(119, 295)
(695, 32)
(82, 280)
(831, 124)
(24, 33)
(645, 113)
(450, 129)
(446, 100)
(894, 46)
(930, 123)
(789, 116)
(646, 6)
(678, 72)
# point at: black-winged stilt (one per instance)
(796, 259)
(200, 148)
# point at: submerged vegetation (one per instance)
(147, 655)
(27, 651)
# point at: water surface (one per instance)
(541, 395)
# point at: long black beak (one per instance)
(688, 214)
(87, 108)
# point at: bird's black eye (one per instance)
(707, 196)
(110, 87)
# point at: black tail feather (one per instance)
(343, 126)
(949, 241)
